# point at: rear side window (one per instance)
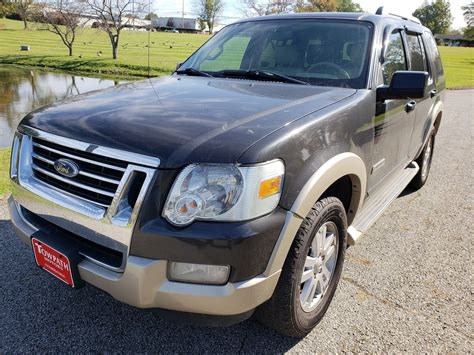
(433, 53)
(394, 57)
(417, 58)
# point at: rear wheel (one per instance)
(311, 272)
(424, 162)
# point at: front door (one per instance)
(394, 119)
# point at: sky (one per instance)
(231, 13)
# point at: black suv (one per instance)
(236, 184)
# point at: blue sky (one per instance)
(232, 13)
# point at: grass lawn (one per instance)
(458, 63)
(4, 168)
(47, 50)
(166, 49)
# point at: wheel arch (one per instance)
(342, 166)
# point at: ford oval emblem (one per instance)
(66, 167)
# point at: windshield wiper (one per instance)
(263, 75)
(194, 72)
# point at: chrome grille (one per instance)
(98, 178)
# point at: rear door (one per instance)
(418, 61)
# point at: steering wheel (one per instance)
(338, 71)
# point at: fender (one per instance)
(436, 109)
(341, 165)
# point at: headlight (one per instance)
(224, 192)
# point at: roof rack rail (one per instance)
(407, 18)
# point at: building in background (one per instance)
(182, 24)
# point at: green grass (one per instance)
(47, 50)
(458, 63)
(166, 50)
(4, 169)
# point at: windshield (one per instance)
(319, 52)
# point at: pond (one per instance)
(23, 90)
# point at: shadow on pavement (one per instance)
(39, 313)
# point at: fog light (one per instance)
(198, 273)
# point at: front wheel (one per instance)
(311, 272)
(424, 162)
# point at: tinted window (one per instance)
(417, 58)
(394, 58)
(320, 52)
(432, 49)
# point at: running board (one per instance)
(377, 203)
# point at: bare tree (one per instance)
(252, 8)
(63, 18)
(114, 15)
(24, 9)
(209, 12)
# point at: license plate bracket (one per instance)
(59, 259)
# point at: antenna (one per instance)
(149, 35)
(379, 11)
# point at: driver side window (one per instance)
(394, 57)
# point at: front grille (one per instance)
(98, 177)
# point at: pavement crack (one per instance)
(400, 307)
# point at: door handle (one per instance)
(433, 93)
(410, 106)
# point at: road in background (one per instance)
(406, 286)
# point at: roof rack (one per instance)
(407, 18)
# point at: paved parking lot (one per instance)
(406, 286)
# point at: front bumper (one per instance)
(144, 283)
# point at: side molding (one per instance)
(335, 168)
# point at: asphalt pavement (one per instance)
(406, 286)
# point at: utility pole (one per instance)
(182, 15)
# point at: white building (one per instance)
(179, 23)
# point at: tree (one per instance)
(209, 12)
(468, 12)
(150, 16)
(113, 16)
(5, 8)
(252, 8)
(315, 6)
(201, 24)
(348, 6)
(327, 6)
(435, 15)
(24, 10)
(63, 18)
(469, 33)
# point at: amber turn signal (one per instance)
(270, 187)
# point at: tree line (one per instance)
(66, 18)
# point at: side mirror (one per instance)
(404, 85)
(179, 65)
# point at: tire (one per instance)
(285, 311)
(424, 162)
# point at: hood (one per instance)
(182, 119)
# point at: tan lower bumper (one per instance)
(144, 284)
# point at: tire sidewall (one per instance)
(335, 213)
(431, 141)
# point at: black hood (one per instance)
(183, 119)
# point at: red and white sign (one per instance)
(52, 261)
